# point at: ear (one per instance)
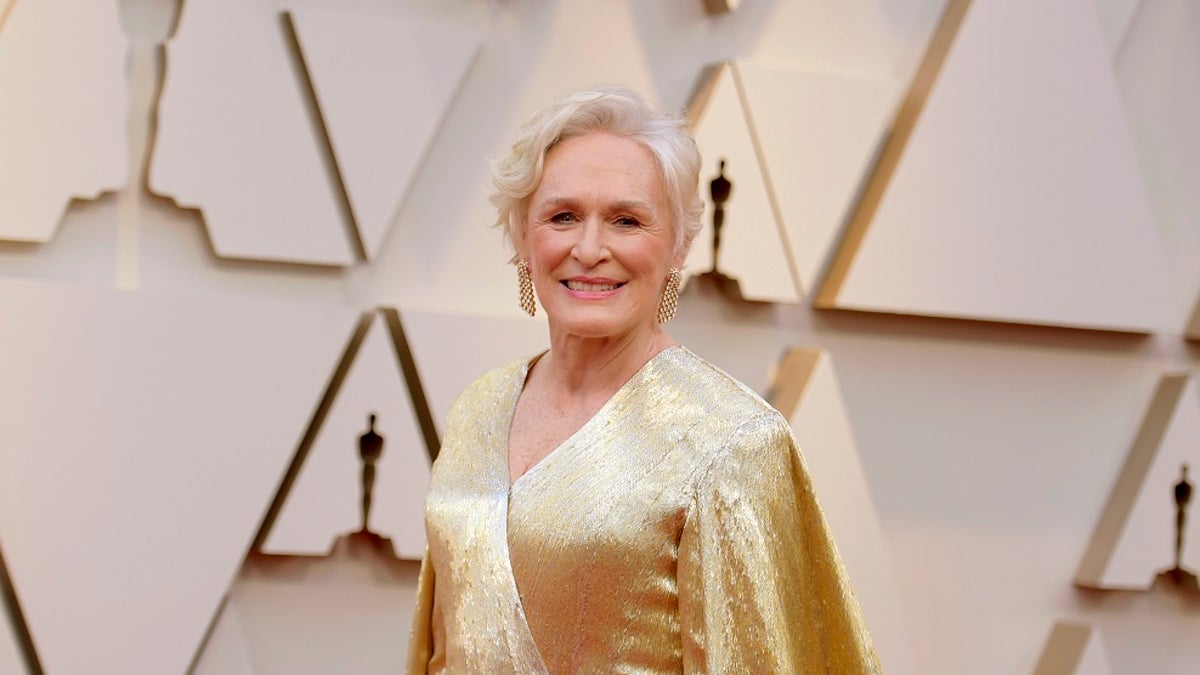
(519, 233)
(520, 246)
(680, 257)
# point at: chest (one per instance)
(541, 425)
(585, 547)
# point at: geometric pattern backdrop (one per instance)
(1162, 110)
(753, 245)
(240, 139)
(1135, 536)
(132, 474)
(323, 502)
(62, 110)
(382, 83)
(796, 146)
(1017, 196)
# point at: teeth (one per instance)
(592, 288)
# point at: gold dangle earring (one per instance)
(670, 297)
(525, 287)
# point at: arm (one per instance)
(761, 586)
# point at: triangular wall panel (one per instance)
(141, 436)
(1094, 659)
(1012, 192)
(1158, 70)
(752, 249)
(451, 350)
(811, 137)
(1073, 649)
(62, 110)
(820, 133)
(1135, 537)
(238, 138)
(806, 391)
(383, 84)
(324, 501)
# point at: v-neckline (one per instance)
(518, 386)
(519, 383)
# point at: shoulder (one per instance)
(728, 420)
(724, 400)
(493, 380)
(485, 390)
(477, 417)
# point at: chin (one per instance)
(593, 324)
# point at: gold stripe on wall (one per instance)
(1064, 649)
(1129, 482)
(10, 605)
(889, 158)
(790, 379)
(295, 465)
(316, 118)
(765, 170)
(702, 91)
(6, 11)
(412, 382)
(357, 337)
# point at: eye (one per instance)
(627, 221)
(563, 217)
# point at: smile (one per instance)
(586, 287)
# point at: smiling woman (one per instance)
(617, 504)
(600, 241)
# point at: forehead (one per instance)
(601, 165)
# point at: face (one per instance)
(600, 240)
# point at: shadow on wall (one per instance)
(348, 611)
(10, 605)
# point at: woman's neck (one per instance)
(584, 367)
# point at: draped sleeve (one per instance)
(421, 640)
(761, 586)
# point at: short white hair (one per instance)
(615, 110)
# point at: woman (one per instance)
(617, 504)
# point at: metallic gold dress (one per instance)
(676, 531)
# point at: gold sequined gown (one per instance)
(676, 531)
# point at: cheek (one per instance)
(547, 245)
(652, 260)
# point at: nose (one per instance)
(591, 245)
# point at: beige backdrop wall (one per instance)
(989, 448)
